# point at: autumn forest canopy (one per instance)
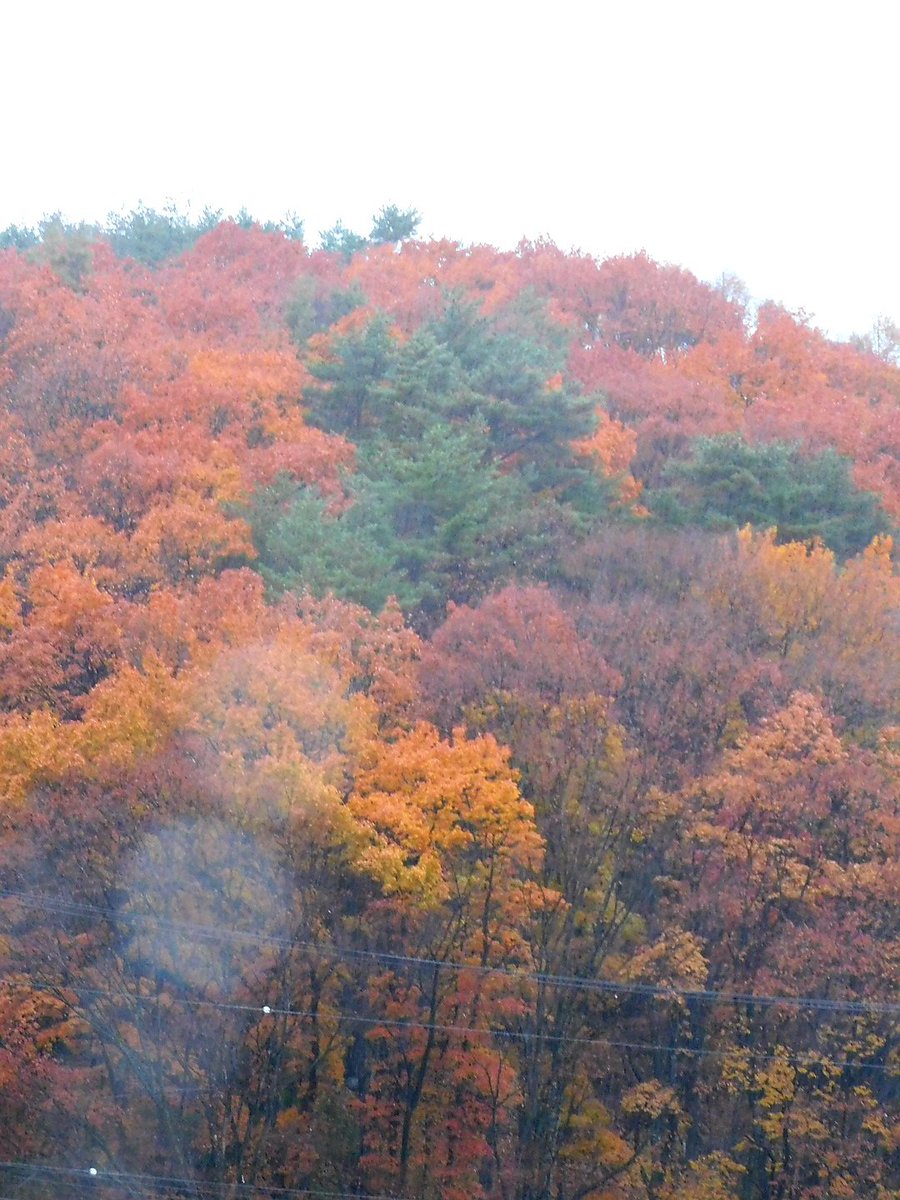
(449, 724)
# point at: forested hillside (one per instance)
(449, 725)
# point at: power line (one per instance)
(100, 1177)
(389, 958)
(517, 1035)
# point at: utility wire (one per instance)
(99, 1177)
(388, 958)
(518, 1035)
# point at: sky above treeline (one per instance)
(749, 139)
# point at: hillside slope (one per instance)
(449, 709)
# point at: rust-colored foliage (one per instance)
(295, 898)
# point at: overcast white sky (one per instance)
(756, 138)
